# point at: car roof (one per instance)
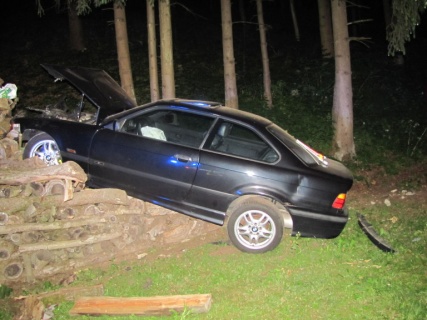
(200, 106)
(97, 85)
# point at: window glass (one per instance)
(170, 125)
(234, 139)
(293, 145)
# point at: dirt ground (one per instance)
(375, 186)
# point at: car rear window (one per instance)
(302, 151)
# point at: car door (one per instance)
(233, 162)
(153, 155)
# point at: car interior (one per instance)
(190, 130)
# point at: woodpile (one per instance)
(51, 224)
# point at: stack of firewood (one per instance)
(51, 224)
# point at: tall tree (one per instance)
(325, 27)
(122, 43)
(342, 110)
(294, 20)
(387, 13)
(231, 97)
(406, 17)
(75, 28)
(152, 51)
(125, 71)
(264, 55)
(243, 38)
(166, 48)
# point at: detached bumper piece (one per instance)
(369, 230)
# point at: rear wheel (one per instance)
(255, 225)
(43, 146)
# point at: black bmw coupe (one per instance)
(199, 158)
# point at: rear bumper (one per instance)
(369, 230)
(313, 224)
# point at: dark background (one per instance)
(28, 40)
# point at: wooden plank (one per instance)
(158, 305)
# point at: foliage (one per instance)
(82, 6)
(406, 17)
(5, 291)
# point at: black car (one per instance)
(199, 158)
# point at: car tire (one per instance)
(255, 225)
(43, 146)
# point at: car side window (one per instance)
(234, 139)
(174, 126)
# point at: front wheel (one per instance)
(43, 146)
(255, 225)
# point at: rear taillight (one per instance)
(339, 201)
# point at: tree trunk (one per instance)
(75, 27)
(231, 98)
(294, 20)
(244, 32)
(325, 27)
(166, 48)
(264, 55)
(387, 13)
(152, 52)
(342, 110)
(123, 55)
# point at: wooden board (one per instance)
(159, 305)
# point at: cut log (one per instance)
(6, 250)
(49, 226)
(4, 217)
(29, 274)
(11, 191)
(67, 170)
(160, 305)
(84, 197)
(11, 205)
(10, 146)
(90, 196)
(55, 187)
(54, 245)
(38, 189)
(28, 164)
(13, 270)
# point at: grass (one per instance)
(344, 278)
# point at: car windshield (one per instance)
(301, 150)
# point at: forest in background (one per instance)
(301, 80)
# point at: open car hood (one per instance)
(97, 85)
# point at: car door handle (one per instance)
(182, 157)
